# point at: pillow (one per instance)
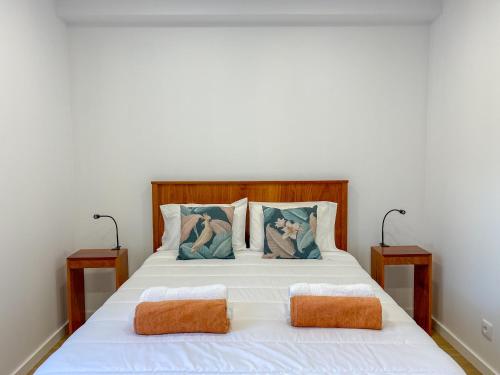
(325, 235)
(290, 233)
(172, 222)
(206, 233)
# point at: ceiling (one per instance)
(247, 12)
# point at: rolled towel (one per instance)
(332, 290)
(336, 312)
(181, 316)
(163, 293)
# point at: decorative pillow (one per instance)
(290, 233)
(172, 223)
(206, 233)
(325, 233)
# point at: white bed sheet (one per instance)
(260, 340)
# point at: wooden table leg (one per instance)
(422, 296)
(121, 270)
(377, 268)
(76, 298)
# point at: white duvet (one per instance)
(260, 341)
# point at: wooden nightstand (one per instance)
(90, 258)
(422, 284)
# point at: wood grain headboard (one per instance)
(204, 192)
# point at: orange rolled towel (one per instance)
(181, 316)
(336, 312)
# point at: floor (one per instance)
(465, 364)
(443, 344)
(52, 350)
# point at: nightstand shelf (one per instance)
(75, 265)
(422, 288)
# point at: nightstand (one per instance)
(422, 284)
(75, 265)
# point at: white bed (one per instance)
(260, 340)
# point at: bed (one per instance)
(260, 340)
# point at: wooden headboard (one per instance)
(204, 192)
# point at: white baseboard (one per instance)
(463, 349)
(42, 350)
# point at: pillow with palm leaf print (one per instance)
(206, 233)
(290, 233)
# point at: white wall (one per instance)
(36, 179)
(463, 173)
(248, 103)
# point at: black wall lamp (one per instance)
(97, 216)
(402, 212)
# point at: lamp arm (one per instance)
(116, 227)
(383, 223)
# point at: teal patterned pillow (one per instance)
(290, 233)
(206, 233)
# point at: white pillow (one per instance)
(325, 232)
(172, 223)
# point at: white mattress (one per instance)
(260, 340)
